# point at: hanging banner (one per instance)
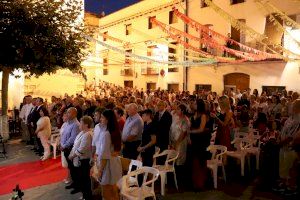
(177, 37)
(261, 38)
(149, 59)
(210, 42)
(201, 28)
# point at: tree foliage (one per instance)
(41, 36)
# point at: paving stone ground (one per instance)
(236, 188)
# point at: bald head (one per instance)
(72, 113)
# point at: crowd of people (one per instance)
(115, 121)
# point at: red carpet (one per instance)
(31, 174)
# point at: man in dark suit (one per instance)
(163, 120)
(33, 117)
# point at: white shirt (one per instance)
(97, 137)
(25, 111)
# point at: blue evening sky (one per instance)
(109, 6)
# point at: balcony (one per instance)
(149, 71)
(126, 72)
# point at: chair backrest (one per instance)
(150, 175)
(242, 144)
(213, 137)
(138, 164)
(172, 156)
(217, 152)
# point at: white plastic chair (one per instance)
(157, 150)
(169, 166)
(216, 161)
(254, 147)
(150, 175)
(241, 144)
(132, 180)
(213, 137)
(54, 141)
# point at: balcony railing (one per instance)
(149, 71)
(127, 72)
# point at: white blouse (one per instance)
(44, 123)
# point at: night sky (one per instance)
(109, 6)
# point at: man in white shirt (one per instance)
(23, 116)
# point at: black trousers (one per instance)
(84, 178)
(73, 170)
(130, 149)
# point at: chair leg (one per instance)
(224, 173)
(243, 166)
(175, 179)
(54, 151)
(215, 175)
(162, 183)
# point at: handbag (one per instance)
(76, 162)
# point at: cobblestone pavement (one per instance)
(236, 188)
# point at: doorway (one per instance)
(173, 87)
(239, 81)
(151, 86)
(128, 84)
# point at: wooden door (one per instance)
(128, 84)
(173, 86)
(151, 86)
(239, 80)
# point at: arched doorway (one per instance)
(239, 81)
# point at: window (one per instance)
(128, 29)
(206, 87)
(150, 24)
(104, 34)
(232, 2)
(172, 18)
(203, 4)
(150, 50)
(238, 35)
(105, 62)
(128, 61)
(172, 52)
(173, 69)
(105, 71)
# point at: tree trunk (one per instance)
(4, 119)
(5, 78)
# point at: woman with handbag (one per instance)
(81, 154)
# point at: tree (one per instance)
(40, 36)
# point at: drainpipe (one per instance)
(185, 68)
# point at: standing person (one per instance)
(163, 120)
(147, 148)
(200, 135)
(109, 164)
(35, 116)
(179, 139)
(178, 133)
(43, 131)
(119, 112)
(61, 132)
(24, 113)
(288, 155)
(81, 154)
(225, 121)
(132, 132)
(96, 141)
(69, 134)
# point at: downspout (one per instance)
(185, 78)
